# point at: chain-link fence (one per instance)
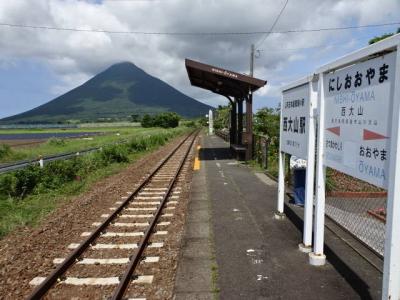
(362, 215)
(356, 206)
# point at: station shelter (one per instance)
(237, 88)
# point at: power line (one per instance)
(273, 24)
(314, 47)
(244, 33)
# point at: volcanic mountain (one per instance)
(118, 92)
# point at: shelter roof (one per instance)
(221, 81)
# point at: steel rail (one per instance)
(55, 275)
(137, 256)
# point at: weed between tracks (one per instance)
(27, 195)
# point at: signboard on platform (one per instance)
(295, 111)
(358, 114)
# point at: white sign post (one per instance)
(297, 137)
(210, 122)
(359, 135)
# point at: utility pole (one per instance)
(249, 111)
(252, 60)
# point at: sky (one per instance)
(37, 65)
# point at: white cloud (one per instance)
(75, 56)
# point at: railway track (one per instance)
(114, 260)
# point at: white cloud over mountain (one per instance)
(76, 56)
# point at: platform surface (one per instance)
(257, 256)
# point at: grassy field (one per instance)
(54, 146)
(89, 127)
(47, 192)
(31, 210)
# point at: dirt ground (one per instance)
(29, 252)
(22, 143)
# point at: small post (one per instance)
(317, 257)
(264, 152)
(210, 122)
(41, 162)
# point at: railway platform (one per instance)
(233, 247)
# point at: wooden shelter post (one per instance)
(233, 129)
(249, 127)
(240, 121)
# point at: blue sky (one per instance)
(38, 65)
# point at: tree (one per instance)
(382, 37)
(135, 118)
(267, 122)
(164, 120)
(222, 117)
(167, 120)
(147, 121)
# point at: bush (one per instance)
(57, 173)
(167, 120)
(190, 124)
(7, 185)
(157, 140)
(147, 121)
(56, 142)
(137, 144)
(114, 154)
(5, 150)
(26, 180)
(329, 181)
(90, 163)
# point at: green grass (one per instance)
(112, 135)
(89, 127)
(31, 209)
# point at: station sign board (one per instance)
(295, 112)
(358, 113)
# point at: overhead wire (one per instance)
(315, 47)
(233, 33)
(273, 24)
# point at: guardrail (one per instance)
(41, 161)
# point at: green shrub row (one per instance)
(33, 179)
(164, 120)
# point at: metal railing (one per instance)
(223, 134)
(4, 168)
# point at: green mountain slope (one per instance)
(118, 92)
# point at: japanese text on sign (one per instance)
(358, 103)
(294, 122)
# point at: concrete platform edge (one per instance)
(194, 278)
